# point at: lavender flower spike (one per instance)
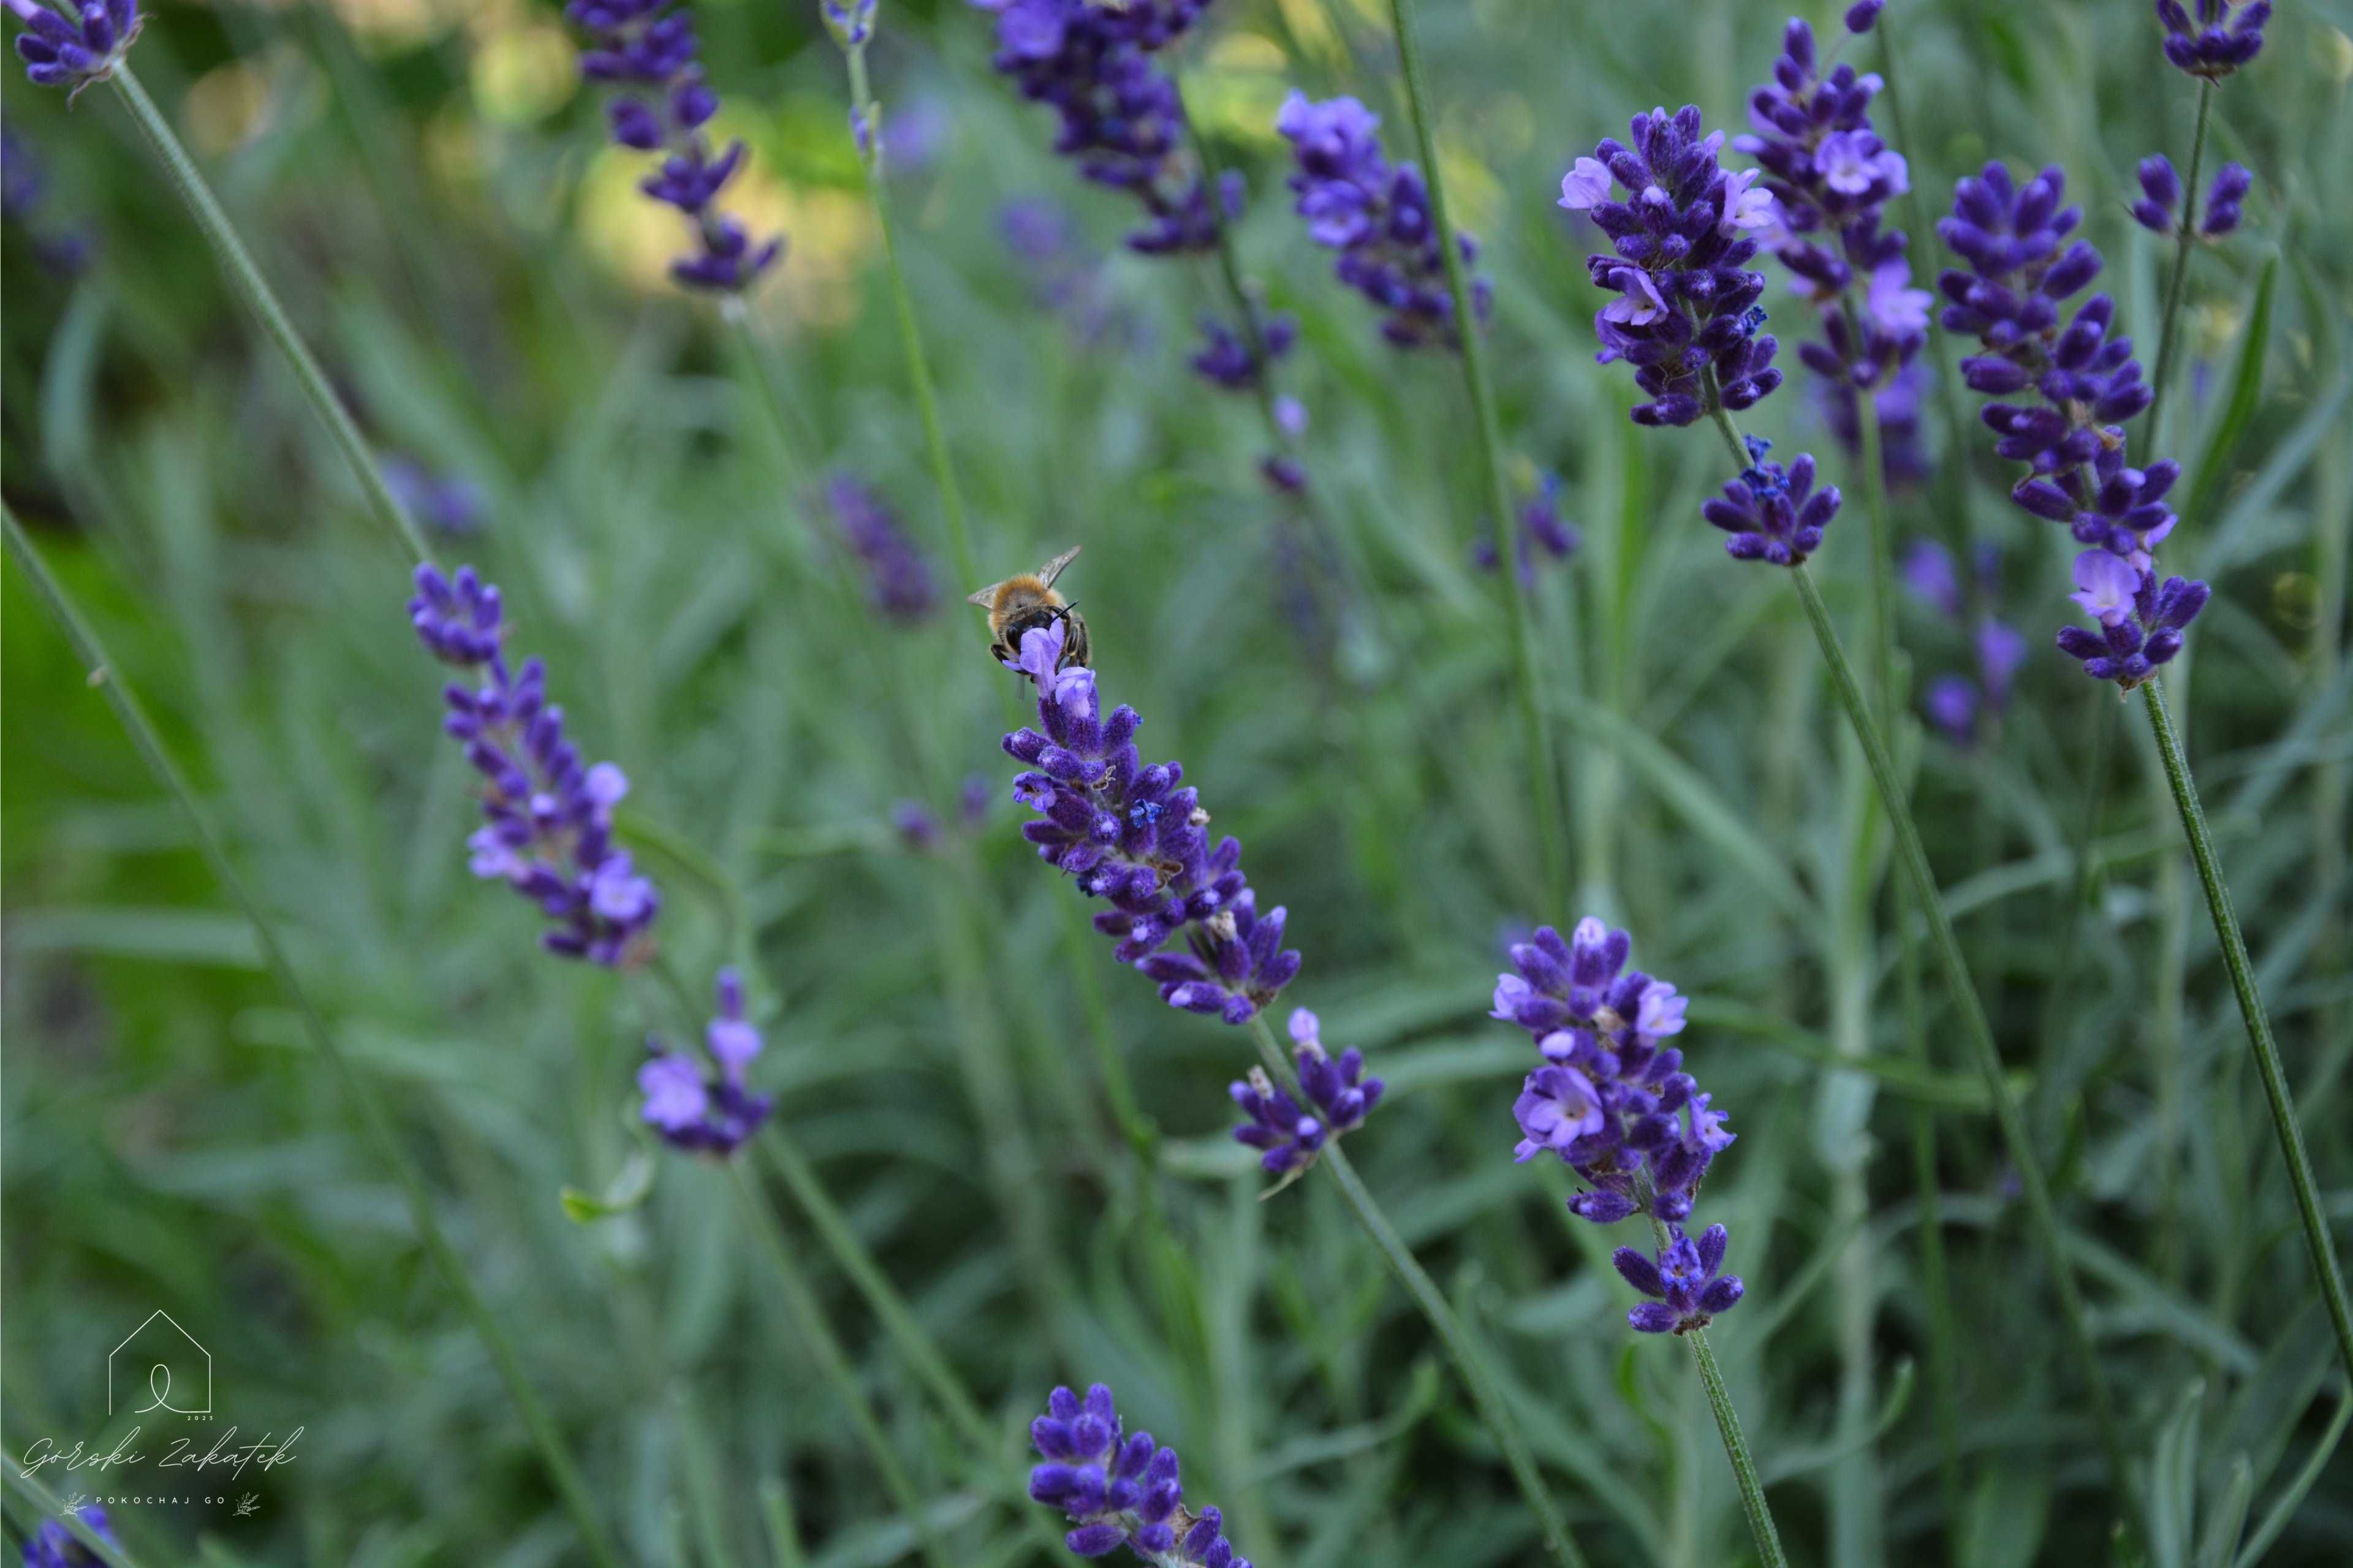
(549, 832)
(1684, 1278)
(54, 1546)
(1773, 513)
(72, 51)
(1133, 836)
(1289, 1137)
(1377, 217)
(650, 48)
(1687, 316)
(2160, 196)
(2224, 37)
(2141, 621)
(1119, 1490)
(699, 1111)
(898, 581)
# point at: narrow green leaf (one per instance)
(2246, 392)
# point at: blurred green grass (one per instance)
(431, 199)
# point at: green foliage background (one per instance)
(419, 182)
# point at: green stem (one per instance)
(1476, 1377)
(2168, 336)
(2259, 1027)
(817, 1334)
(366, 1102)
(247, 280)
(919, 366)
(1930, 1233)
(2087, 860)
(51, 1506)
(1502, 517)
(2043, 1215)
(1735, 1448)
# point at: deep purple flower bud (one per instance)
(1226, 358)
(1118, 1490)
(447, 504)
(72, 52)
(2223, 37)
(1773, 513)
(2224, 200)
(1686, 1278)
(2160, 190)
(897, 583)
(1860, 17)
(1339, 1097)
(2141, 620)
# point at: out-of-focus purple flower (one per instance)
(2141, 620)
(1687, 316)
(550, 817)
(1860, 17)
(1377, 217)
(1122, 118)
(851, 22)
(648, 49)
(1951, 703)
(449, 504)
(1067, 276)
(22, 182)
(1932, 576)
(2160, 198)
(1773, 513)
(917, 827)
(973, 797)
(1542, 531)
(2221, 37)
(706, 1111)
(2001, 648)
(1339, 1097)
(898, 581)
(78, 47)
(1612, 1101)
(1685, 1279)
(54, 1546)
(1828, 180)
(1225, 357)
(1119, 1490)
(1134, 837)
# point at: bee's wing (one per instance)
(1053, 569)
(987, 597)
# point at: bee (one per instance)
(1028, 603)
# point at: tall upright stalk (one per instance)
(817, 1335)
(250, 286)
(1485, 1392)
(2309, 1213)
(1930, 1232)
(2042, 1214)
(374, 1123)
(1544, 781)
(2167, 335)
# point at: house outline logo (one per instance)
(158, 1378)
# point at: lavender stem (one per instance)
(247, 280)
(1474, 1373)
(2166, 336)
(1502, 515)
(374, 1123)
(2258, 1024)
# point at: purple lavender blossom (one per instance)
(1828, 179)
(449, 504)
(1954, 702)
(1685, 1279)
(1612, 1101)
(1066, 275)
(2074, 440)
(1121, 116)
(1224, 359)
(897, 583)
(1931, 575)
(1289, 1137)
(1773, 513)
(1377, 217)
(1542, 531)
(1133, 836)
(2160, 196)
(75, 49)
(2223, 37)
(699, 1111)
(2141, 620)
(54, 1546)
(1687, 316)
(650, 48)
(1119, 1490)
(917, 828)
(550, 832)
